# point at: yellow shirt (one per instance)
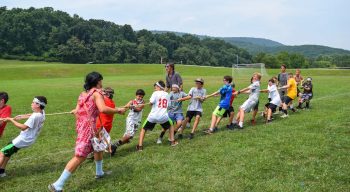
(292, 90)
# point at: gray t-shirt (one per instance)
(254, 91)
(282, 79)
(175, 107)
(175, 78)
(196, 104)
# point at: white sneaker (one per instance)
(2, 175)
(284, 116)
(159, 141)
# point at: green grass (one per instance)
(309, 151)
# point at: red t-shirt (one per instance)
(107, 120)
(232, 97)
(4, 112)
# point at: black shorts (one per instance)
(287, 100)
(271, 106)
(256, 107)
(228, 112)
(150, 126)
(191, 114)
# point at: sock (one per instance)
(211, 129)
(2, 171)
(99, 170)
(240, 124)
(162, 134)
(234, 121)
(291, 106)
(63, 178)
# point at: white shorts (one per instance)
(248, 105)
(131, 127)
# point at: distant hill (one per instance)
(257, 45)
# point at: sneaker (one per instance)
(253, 122)
(52, 188)
(113, 149)
(139, 148)
(262, 114)
(293, 110)
(104, 175)
(215, 129)
(90, 156)
(268, 121)
(191, 136)
(174, 143)
(284, 116)
(179, 136)
(2, 175)
(231, 127)
(209, 131)
(159, 141)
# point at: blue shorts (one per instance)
(176, 117)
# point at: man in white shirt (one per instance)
(158, 115)
(274, 100)
(29, 131)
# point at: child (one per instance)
(159, 102)
(230, 113)
(252, 101)
(196, 96)
(29, 131)
(226, 93)
(133, 121)
(306, 96)
(274, 100)
(291, 94)
(174, 109)
(5, 111)
(106, 119)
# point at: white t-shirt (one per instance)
(254, 91)
(27, 137)
(274, 95)
(159, 114)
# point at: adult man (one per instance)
(172, 77)
(282, 81)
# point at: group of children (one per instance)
(166, 110)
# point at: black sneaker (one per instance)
(139, 148)
(231, 127)
(191, 136)
(179, 136)
(113, 149)
(269, 121)
(293, 110)
(215, 129)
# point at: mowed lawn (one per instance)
(309, 151)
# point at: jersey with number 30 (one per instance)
(159, 114)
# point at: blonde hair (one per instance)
(258, 75)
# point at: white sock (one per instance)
(99, 170)
(291, 106)
(240, 123)
(234, 121)
(63, 178)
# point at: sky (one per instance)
(291, 22)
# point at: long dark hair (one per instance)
(92, 79)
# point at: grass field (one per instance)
(309, 151)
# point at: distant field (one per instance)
(309, 151)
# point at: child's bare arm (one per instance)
(21, 126)
(213, 94)
(20, 117)
(184, 98)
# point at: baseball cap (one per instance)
(200, 80)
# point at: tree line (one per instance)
(45, 34)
